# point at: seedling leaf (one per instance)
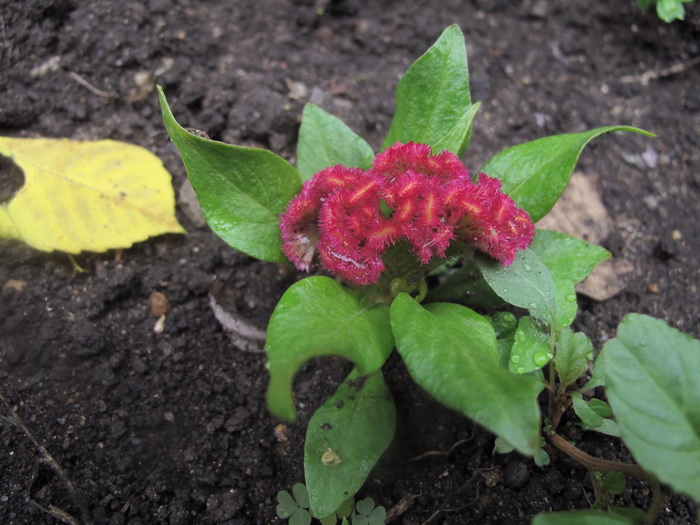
(242, 191)
(574, 354)
(317, 316)
(651, 373)
(567, 257)
(536, 173)
(450, 351)
(527, 283)
(357, 424)
(325, 140)
(86, 196)
(433, 96)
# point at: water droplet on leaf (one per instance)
(521, 370)
(550, 355)
(533, 306)
(515, 359)
(540, 358)
(571, 297)
(527, 268)
(521, 337)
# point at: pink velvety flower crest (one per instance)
(345, 218)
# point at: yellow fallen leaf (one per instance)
(86, 196)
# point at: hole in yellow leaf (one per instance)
(11, 179)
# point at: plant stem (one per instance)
(593, 463)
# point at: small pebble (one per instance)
(159, 304)
(280, 433)
(516, 475)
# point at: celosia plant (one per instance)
(491, 333)
(348, 217)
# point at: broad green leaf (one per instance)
(86, 196)
(457, 138)
(242, 191)
(345, 438)
(317, 316)
(535, 174)
(581, 517)
(450, 351)
(433, 98)
(325, 140)
(527, 283)
(567, 257)
(531, 350)
(574, 354)
(652, 375)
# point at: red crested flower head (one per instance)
(345, 218)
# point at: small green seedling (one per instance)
(296, 509)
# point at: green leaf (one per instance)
(567, 257)
(301, 495)
(433, 96)
(345, 438)
(670, 10)
(242, 191)
(368, 514)
(286, 504)
(542, 458)
(535, 174)
(450, 351)
(317, 316)
(526, 283)
(574, 354)
(346, 508)
(651, 373)
(598, 376)
(457, 138)
(325, 140)
(329, 520)
(614, 482)
(581, 517)
(530, 350)
(600, 407)
(588, 416)
(565, 305)
(300, 517)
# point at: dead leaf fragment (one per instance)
(580, 211)
(607, 280)
(86, 196)
(14, 284)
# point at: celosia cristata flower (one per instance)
(345, 218)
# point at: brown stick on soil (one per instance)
(593, 463)
(86, 519)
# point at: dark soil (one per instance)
(172, 427)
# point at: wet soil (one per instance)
(171, 427)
